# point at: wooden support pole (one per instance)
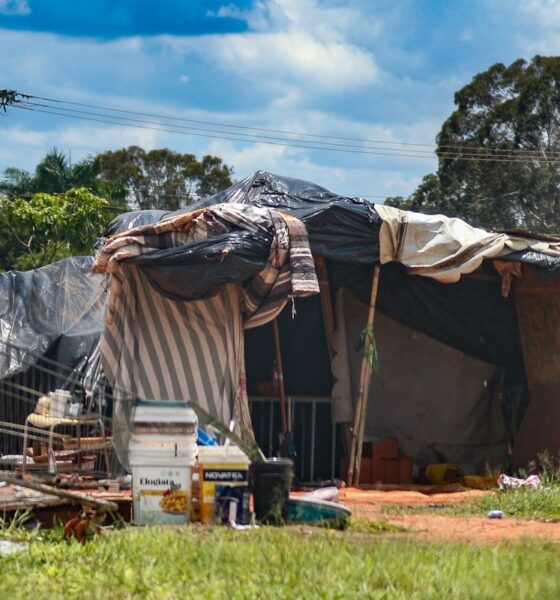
(280, 373)
(326, 302)
(361, 405)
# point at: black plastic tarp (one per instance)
(470, 316)
(56, 311)
(339, 228)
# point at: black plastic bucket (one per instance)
(271, 482)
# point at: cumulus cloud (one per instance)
(289, 57)
(546, 12)
(293, 40)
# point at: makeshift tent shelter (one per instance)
(50, 320)
(447, 320)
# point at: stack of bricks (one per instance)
(382, 462)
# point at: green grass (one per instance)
(277, 563)
(542, 504)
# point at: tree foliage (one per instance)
(503, 110)
(130, 177)
(49, 227)
(59, 210)
(161, 178)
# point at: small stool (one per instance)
(50, 423)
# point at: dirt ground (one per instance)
(367, 504)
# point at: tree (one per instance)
(498, 151)
(155, 179)
(53, 174)
(161, 178)
(49, 227)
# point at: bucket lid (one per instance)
(225, 454)
(164, 411)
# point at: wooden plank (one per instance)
(71, 497)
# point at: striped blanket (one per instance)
(289, 272)
(157, 348)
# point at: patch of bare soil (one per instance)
(366, 504)
(475, 529)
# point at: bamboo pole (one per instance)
(361, 405)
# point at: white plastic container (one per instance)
(162, 452)
(60, 400)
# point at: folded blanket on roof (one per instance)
(289, 272)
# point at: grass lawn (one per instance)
(277, 563)
(542, 504)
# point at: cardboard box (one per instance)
(386, 449)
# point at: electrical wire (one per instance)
(123, 121)
(466, 152)
(286, 132)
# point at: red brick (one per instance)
(391, 467)
(386, 449)
(365, 470)
(377, 470)
(405, 469)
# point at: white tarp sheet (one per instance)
(445, 248)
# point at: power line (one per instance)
(220, 137)
(252, 137)
(186, 128)
(465, 153)
(471, 148)
(291, 144)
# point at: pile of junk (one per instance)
(180, 473)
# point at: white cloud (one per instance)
(535, 25)
(545, 12)
(293, 40)
(24, 147)
(14, 7)
(284, 58)
(303, 53)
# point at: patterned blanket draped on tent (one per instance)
(290, 270)
(158, 348)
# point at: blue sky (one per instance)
(376, 69)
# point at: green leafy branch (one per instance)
(370, 347)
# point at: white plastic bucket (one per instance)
(162, 452)
(161, 483)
